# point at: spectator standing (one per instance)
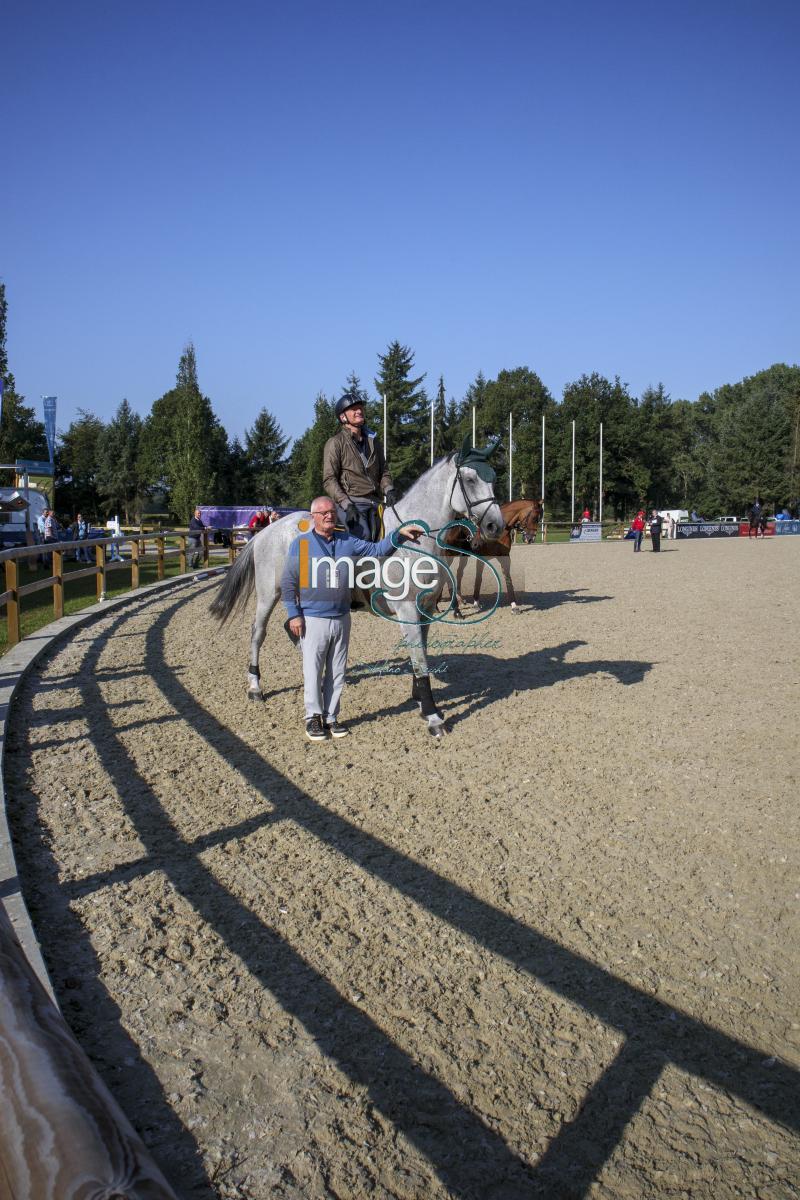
(637, 526)
(196, 527)
(319, 615)
(655, 531)
(81, 530)
(587, 516)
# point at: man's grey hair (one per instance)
(326, 500)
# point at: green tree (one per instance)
(118, 479)
(77, 462)
(184, 449)
(304, 474)
(21, 434)
(521, 394)
(265, 447)
(408, 438)
(588, 401)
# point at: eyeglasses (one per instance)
(324, 513)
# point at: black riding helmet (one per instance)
(348, 400)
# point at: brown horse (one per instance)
(522, 515)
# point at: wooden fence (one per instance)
(143, 547)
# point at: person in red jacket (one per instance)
(637, 525)
(257, 522)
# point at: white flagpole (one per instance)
(431, 431)
(601, 472)
(542, 460)
(385, 454)
(510, 457)
(473, 427)
(573, 472)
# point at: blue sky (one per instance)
(572, 186)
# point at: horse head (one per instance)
(472, 493)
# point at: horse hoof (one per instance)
(514, 609)
(255, 696)
(439, 730)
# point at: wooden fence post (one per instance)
(205, 547)
(12, 604)
(159, 558)
(100, 577)
(182, 556)
(135, 563)
(58, 583)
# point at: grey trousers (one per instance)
(324, 648)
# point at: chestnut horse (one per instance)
(523, 515)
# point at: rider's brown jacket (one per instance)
(344, 474)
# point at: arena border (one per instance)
(28, 991)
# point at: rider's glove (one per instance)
(351, 518)
(391, 498)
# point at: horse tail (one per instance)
(235, 591)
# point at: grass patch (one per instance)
(37, 610)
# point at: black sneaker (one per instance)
(335, 729)
(314, 729)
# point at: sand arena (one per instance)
(554, 955)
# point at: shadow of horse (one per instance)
(476, 680)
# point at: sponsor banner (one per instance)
(585, 532)
(784, 527)
(744, 529)
(707, 529)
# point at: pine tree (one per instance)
(118, 478)
(184, 449)
(305, 460)
(408, 415)
(265, 447)
(21, 434)
(77, 462)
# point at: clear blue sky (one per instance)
(572, 186)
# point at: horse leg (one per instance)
(476, 595)
(462, 563)
(415, 639)
(258, 633)
(505, 565)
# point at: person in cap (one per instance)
(354, 471)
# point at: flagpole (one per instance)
(431, 432)
(601, 472)
(385, 451)
(542, 460)
(510, 458)
(473, 427)
(573, 472)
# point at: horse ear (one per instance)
(466, 446)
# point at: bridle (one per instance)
(472, 506)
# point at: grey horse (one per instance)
(458, 486)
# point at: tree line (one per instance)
(714, 454)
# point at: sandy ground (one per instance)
(555, 955)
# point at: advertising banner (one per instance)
(707, 529)
(587, 531)
(784, 527)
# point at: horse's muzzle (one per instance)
(489, 531)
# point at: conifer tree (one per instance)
(118, 480)
(21, 434)
(265, 448)
(408, 415)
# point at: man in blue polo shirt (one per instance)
(320, 615)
